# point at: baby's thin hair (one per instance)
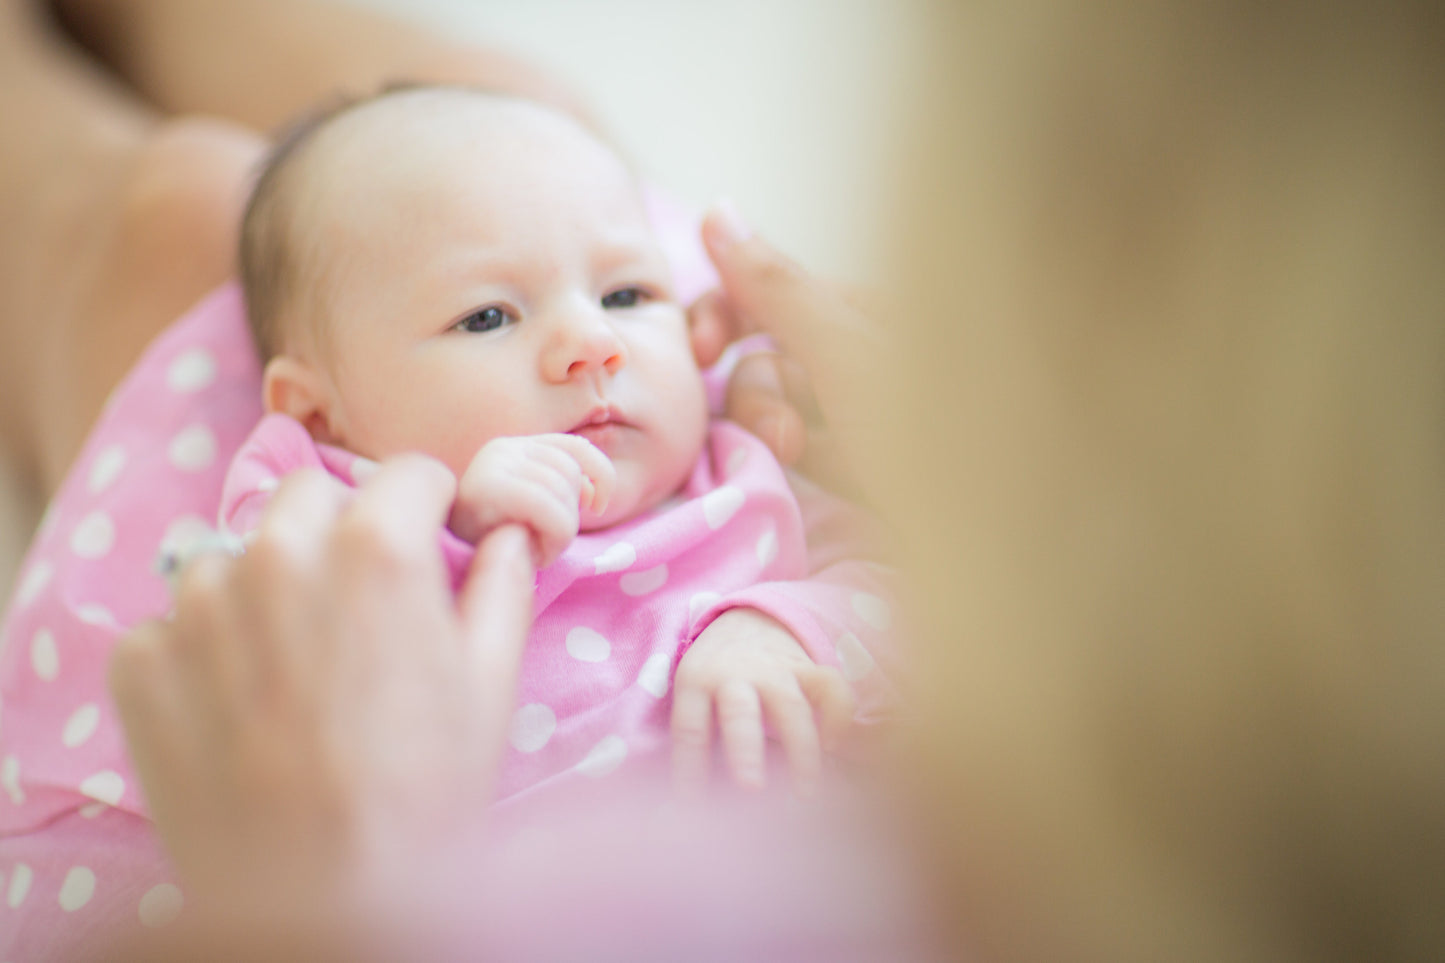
(272, 261)
(267, 256)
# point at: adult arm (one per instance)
(262, 62)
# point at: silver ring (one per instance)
(171, 560)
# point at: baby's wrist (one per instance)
(749, 621)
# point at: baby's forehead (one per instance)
(416, 131)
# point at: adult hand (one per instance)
(320, 711)
(815, 403)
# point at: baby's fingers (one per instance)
(740, 720)
(596, 468)
(793, 722)
(691, 739)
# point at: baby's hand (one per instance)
(748, 664)
(540, 481)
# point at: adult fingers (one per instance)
(496, 613)
(216, 674)
(301, 511)
(767, 291)
(842, 350)
(397, 513)
(691, 738)
(740, 721)
(284, 553)
(158, 707)
(758, 400)
(711, 326)
(146, 692)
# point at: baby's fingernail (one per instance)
(728, 225)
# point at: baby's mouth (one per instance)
(601, 426)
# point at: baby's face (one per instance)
(492, 273)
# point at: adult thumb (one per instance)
(766, 290)
(813, 322)
(496, 614)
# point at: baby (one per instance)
(476, 278)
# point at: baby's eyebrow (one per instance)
(469, 264)
(641, 252)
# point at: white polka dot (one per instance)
(44, 656)
(362, 469)
(193, 449)
(78, 888)
(641, 583)
(587, 645)
(10, 780)
(857, 661)
(92, 810)
(653, 677)
(191, 371)
(736, 458)
(768, 546)
(617, 558)
(722, 504)
(161, 904)
(81, 725)
(34, 583)
(19, 885)
(93, 613)
(699, 604)
(872, 610)
(105, 469)
(94, 536)
(106, 786)
(605, 757)
(532, 727)
(268, 484)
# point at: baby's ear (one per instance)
(294, 387)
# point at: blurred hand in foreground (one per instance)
(321, 710)
(814, 402)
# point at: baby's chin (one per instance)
(621, 510)
(645, 483)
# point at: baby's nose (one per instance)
(587, 342)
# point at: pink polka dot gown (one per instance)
(615, 612)
(79, 861)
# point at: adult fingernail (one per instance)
(776, 430)
(728, 225)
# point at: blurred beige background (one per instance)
(789, 107)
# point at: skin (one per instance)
(503, 260)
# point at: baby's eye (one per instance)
(626, 298)
(485, 319)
